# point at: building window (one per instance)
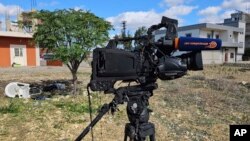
(241, 46)
(189, 35)
(208, 35)
(217, 36)
(231, 55)
(18, 52)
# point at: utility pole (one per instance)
(32, 5)
(124, 29)
(7, 21)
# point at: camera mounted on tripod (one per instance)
(154, 59)
(166, 58)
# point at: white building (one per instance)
(242, 20)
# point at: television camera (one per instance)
(166, 58)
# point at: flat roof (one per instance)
(210, 26)
(15, 34)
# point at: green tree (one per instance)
(70, 34)
(141, 31)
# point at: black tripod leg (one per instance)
(125, 136)
(129, 132)
(152, 137)
(103, 111)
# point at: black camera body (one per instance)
(111, 65)
(155, 59)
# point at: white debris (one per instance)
(17, 89)
(244, 82)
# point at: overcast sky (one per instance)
(137, 12)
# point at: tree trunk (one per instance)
(74, 83)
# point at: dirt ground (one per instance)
(199, 106)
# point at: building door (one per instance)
(18, 55)
(226, 56)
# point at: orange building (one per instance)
(18, 48)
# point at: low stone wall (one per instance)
(241, 64)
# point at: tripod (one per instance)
(138, 114)
(137, 111)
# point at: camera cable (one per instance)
(90, 111)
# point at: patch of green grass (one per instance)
(13, 106)
(74, 107)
